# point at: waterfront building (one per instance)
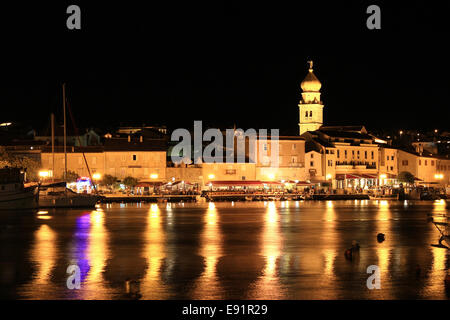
(122, 156)
(291, 159)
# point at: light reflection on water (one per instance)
(267, 250)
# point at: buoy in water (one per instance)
(348, 254)
(447, 281)
(381, 237)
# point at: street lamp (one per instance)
(154, 176)
(96, 176)
(43, 174)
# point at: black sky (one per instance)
(227, 62)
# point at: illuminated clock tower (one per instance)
(310, 106)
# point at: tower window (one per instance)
(306, 114)
(310, 113)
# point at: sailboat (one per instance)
(57, 195)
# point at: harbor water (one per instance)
(240, 250)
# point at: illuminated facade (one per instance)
(310, 106)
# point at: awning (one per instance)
(349, 176)
(272, 183)
(417, 179)
(148, 184)
(235, 183)
(178, 182)
(368, 176)
(304, 183)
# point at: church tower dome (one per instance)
(311, 83)
(310, 106)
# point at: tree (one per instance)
(71, 176)
(130, 182)
(31, 166)
(108, 180)
(406, 177)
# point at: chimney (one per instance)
(141, 139)
(129, 138)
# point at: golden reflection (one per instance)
(383, 224)
(97, 254)
(438, 270)
(43, 255)
(329, 251)
(384, 213)
(211, 250)
(267, 285)
(154, 253)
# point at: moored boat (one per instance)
(57, 195)
(14, 195)
(384, 197)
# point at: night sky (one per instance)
(226, 63)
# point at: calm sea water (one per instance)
(257, 250)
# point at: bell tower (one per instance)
(310, 106)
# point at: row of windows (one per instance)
(426, 162)
(387, 157)
(306, 114)
(372, 154)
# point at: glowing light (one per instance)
(211, 206)
(438, 176)
(154, 176)
(96, 176)
(211, 176)
(328, 176)
(383, 176)
(43, 174)
(271, 176)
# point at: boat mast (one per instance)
(52, 117)
(65, 133)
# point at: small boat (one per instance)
(14, 195)
(57, 195)
(383, 196)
